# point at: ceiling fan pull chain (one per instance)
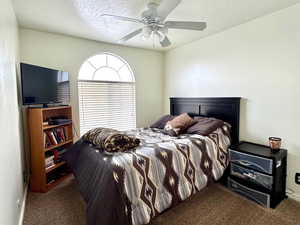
(153, 41)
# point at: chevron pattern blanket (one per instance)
(167, 170)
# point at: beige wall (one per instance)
(11, 178)
(259, 61)
(68, 53)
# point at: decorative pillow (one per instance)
(204, 126)
(179, 124)
(161, 123)
(111, 140)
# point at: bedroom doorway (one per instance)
(106, 90)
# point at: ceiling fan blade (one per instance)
(123, 18)
(165, 42)
(131, 35)
(166, 7)
(187, 25)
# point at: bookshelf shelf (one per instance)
(55, 166)
(55, 108)
(42, 135)
(55, 126)
(58, 181)
(58, 145)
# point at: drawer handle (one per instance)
(245, 163)
(250, 175)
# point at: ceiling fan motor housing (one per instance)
(150, 15)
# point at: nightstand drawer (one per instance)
(264, 165)
(257, 196)
(252, 176)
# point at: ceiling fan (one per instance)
(153, 19)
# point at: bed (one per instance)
(134, 187)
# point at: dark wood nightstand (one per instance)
(257, 173)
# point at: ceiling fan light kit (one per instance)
(146, 32)
(153, 19)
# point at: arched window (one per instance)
(106, 88)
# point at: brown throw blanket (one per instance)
(110, 140)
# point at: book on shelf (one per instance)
(58, 154)
(49, 162)
(49, 138)
(60, 134)
(65, 133)
(55, 136)
(55, 141)
(48, 166)
(52, 160)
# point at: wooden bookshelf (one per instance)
(39, 179)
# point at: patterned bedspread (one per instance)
(159, 174)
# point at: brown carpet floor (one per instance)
(215, 205)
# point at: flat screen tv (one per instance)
(44, 86)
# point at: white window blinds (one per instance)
(106, 104)
(103, 102)
(63, 92)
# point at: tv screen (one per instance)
(44, 86)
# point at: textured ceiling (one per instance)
(81, 18)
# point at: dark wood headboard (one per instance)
(226, 109)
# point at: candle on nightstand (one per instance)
(275, 143)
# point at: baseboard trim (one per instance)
(294, 196)
(21, 218)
